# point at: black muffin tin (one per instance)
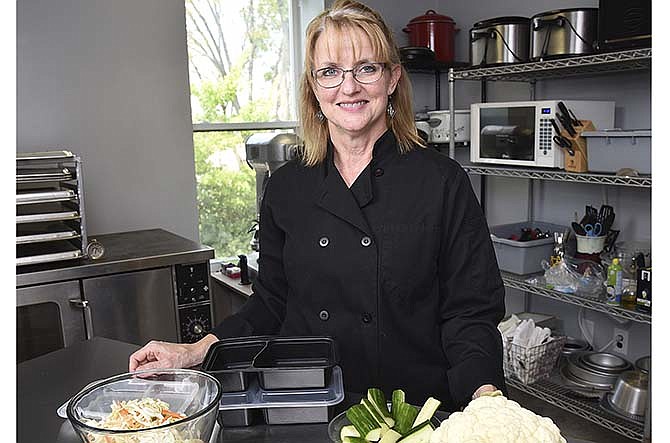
(276, 362)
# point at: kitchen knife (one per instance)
(556, 128)
(566, 122)
(564, 143)
(575, 120)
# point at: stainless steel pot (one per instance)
(563, 32)
(630, 393)
(500, 40)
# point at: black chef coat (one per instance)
(399, 269)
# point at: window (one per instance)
(244, 62)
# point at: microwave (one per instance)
(521, 133)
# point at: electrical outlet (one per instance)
(620, 341)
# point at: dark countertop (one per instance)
(124, 251)
(46, 382)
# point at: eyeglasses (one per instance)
(332, 76)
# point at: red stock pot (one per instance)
(434, 31)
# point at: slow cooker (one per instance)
(499, 41)
(563, 32)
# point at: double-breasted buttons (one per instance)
(379, 172)
(366, 241)
(366, 317)
(323, 242)
(324, 315)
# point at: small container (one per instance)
(290, 406)
(278, 362)
(612, 150)
(523, 257)
(614, 283)
(590, 245)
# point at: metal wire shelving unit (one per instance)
(643, 181)
(519, 282)
(631, 60)
(552, 392)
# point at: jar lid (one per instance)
(509, 20)
(432, 17)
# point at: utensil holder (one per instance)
(590, 245)
(579, 161)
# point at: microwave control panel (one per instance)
(546, 136)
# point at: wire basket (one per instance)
(529, 365)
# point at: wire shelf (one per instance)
(630, 60)
(556, 175)
(518, 282)
(563, 398)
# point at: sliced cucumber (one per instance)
(348, 431)
(419, 434)
(354, 440)
(377, 398)
(397, 397)
(364, 422)
(427, 411)
(390, 436)
(405, 416)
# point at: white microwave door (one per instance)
(507, 133)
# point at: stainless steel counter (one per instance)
(124, 252)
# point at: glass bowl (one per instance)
(192, 393)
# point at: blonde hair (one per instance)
(346, 16)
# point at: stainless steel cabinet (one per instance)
(134, 307)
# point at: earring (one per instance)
(320, 115)
(389, 109)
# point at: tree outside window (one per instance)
(241, 78)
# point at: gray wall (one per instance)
(108, 80)
(555, 202)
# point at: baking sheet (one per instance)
(47, 217)
(23, 198)
(49, 236)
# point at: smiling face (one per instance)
(353, 109)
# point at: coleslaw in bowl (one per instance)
(152, 406)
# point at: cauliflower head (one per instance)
(496, 419)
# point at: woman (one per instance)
(370, 238)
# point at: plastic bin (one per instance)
(609, 151)
(523, 257)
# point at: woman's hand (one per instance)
(159, 354)
(486, 390)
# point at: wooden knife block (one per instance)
(579, 161)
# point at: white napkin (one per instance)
(528, 335)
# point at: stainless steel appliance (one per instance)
(151, 285)
(439, 123)
(624, 24)
(522, 133)
(50, 215)
(267, 152)
(563, 32)
(500, 40)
